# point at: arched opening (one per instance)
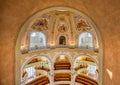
(57, 66)
(37, 40)
(86, 65)
(62, 66)
(87, 70)
(62, 40)
(62, 63)
(37, 67)
(86, 40)
(33, 40)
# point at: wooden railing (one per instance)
(85, 80)
(42, 80)
(62, 77)
(60, 66)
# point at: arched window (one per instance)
(86, 40)
(37, 39)
(62, 40)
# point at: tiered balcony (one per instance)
(85, 80)
(62, 66)
(62, 77)
(41, 80)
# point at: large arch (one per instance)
(32, 19)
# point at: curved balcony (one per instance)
(27, 49)
(62, 77)
(85, 80)
(41, 80)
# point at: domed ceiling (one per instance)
(62, 28)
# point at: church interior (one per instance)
(59, 42)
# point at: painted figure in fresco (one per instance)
(41, 24)
(81, 25)
(45, 24)
(62, 28)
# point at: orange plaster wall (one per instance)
(105, 14)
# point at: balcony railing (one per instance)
(28, 49)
